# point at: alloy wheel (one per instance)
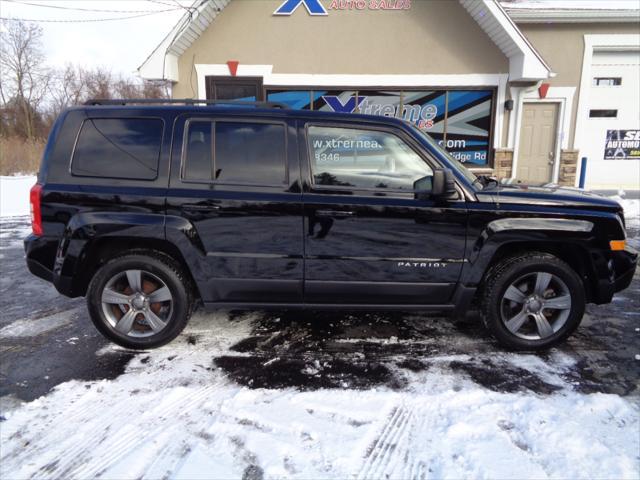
(535, 306)
(137, 303)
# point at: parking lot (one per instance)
(299, 394)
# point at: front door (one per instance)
(234, 181)
(368, 240)
(537, 150)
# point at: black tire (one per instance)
(161, 267)
(509, 271)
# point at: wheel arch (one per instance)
(99, 251)
(574, 254)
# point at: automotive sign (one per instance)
(315, 7)
(622, 145)
(460, 120)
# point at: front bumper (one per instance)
(621, 269)
(624, 268)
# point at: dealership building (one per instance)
(518, 89)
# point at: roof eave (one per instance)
(522, 15)
(525, 63)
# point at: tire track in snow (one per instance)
(386, 452)
(94, 447)
(119, 446)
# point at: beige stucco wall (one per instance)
(433, 37)
(562, 47)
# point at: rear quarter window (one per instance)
(127, 148)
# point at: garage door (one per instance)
(612, 128)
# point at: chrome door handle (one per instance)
(200, 208)
(334, 213)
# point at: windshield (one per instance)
(455, 163)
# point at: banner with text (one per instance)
(622, 145)
(460, 120)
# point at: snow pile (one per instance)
(631, 211)
(173, 414)
(14, 195)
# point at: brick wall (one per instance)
(568, 167)
(503, 163)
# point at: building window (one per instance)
(459, 120)
(240, 153)
(607, 81)
(247, 89)
(126, 148)
(603, 113)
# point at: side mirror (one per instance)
(423, 187)
(441, 184)
(444, 183)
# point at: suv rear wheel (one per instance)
(140, 300)
(532, 301)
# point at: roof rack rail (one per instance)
(182, 101)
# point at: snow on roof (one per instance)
(572, 11)
(572, 4)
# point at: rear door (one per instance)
(368, 239)
(235, 180)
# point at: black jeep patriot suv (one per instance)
(146, 209)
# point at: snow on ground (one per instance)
(175, 414)
(14, 195)
(29, 327)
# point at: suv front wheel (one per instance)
(140, 300)
(532, 301)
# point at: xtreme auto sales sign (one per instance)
(316, 7)
(622, 145)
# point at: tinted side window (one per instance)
(243, 153)
(199, 155)
(249, 153)
(363, 159)
(118, 148)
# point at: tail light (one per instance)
(36, 214)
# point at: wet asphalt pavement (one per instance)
(305, 350)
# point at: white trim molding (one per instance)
(572, 15)
(525, 63)
(594, 43)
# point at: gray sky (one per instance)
(120, 46)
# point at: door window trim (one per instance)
(397, 133)
(213, 121)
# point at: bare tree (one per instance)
(67, 88)
(98, 83)
(24, 78)
(157, 89)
